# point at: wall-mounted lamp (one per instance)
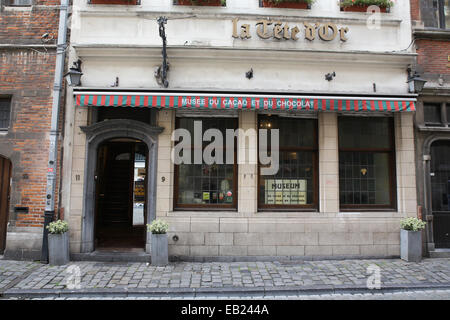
(249, 74)
(415, 82)
(74, 75)
(330, 76)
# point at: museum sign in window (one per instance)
(366, 163)
(294, 186)
(204, 185)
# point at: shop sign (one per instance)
(285, 191)
(266, 29)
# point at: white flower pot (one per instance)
(160, 250)
(58, 249)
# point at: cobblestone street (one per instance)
(255, 278)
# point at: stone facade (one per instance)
(211, 60)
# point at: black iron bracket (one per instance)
(161, 72)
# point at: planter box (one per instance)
(361, 9)
(289, 5)
(58, 249)
(411, 245)
(211, 3)
(119, 2)
(160, 250)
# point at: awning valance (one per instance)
(250, 102)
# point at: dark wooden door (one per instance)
(5, 178)
(440, 191)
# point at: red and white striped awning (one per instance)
(237, 101)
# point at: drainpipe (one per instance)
(53, 147)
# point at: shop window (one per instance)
(202, 185)
(366, 163)
(5, 113)
(294, 186)
(432, 114)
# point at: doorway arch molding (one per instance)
(98, 133)
(426, 151)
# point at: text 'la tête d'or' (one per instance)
(267, 29)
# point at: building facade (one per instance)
(28, 33)
(333, 82)
(431, 24)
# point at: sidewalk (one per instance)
(32, 279)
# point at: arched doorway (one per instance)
(121, 135)
(121, 175)
(5, 178)
(440, 192)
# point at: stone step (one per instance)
(114, 256)
(440, 253)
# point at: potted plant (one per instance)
(292, 4)
(362, 5)
(212, 3)
(160, 245)
(411, 239)
(58, 243)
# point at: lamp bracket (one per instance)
(161, 73)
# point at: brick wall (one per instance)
(433, 56)
(415, 10)
(27, 75)
(27, 26)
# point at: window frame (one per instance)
(442, 120)
(207, 207)
(315, 150)
(391, 151)
(9, 99)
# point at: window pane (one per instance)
(203, 184)
(432, 114)
(364, 178)
(429, 14)
(293, 132)
(447, 14)
(5, 111)
(447, 108)
(359, 133)
(18, 2)
(294, 183)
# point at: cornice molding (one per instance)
(199, 53)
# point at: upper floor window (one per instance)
(436, 114)
(436, 13)
(5, 113)
(18, 3)
(432, 114)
